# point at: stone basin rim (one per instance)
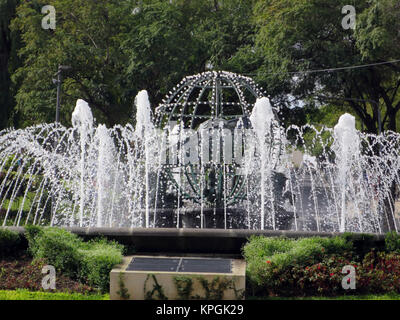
(186, 232)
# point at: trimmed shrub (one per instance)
(98, 258)
(313, 266)
(362, 243)
(10, 242)
(261, 246)
(334, 245)
(23, 273)
(60, 249)
(31, 232)
(269, 257)
(379, 273)
(392, 242)
(90, 261)
(259, 250)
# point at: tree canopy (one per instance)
(118, 47)
(308, 35)
(8, 60)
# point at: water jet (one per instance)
(214, 155)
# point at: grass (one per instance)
(23, 294)
(393, 296)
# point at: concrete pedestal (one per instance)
(172, 285)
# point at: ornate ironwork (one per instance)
(205, 101)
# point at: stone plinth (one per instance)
(176, 278)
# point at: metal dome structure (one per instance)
(209, 95)
(211, 101)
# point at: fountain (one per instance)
(213, 155)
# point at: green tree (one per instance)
(85, 38)
(116, 48)
(308, 35)
(8, 45)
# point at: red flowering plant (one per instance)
(325, 277)
(278, 266)
(312, 278)
(379, 273)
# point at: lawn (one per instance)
(22, 294)
(360, 297)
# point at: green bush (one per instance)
(88, 261)
(98, 258)
(334, 245)
(310, 250)
(31, 232)
(268, 257)
(262, 246)
(305, 252)
(313, 266)
(10, 242)
(362, 243)
(60, 249)
(392, 242)
(259, 250)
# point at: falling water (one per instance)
(261, 119)
(347, 150)
(145, 133)
(82, 119)
(91, 175)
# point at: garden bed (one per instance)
(81, 267)
(282, 267)
(277, 267)
(25, 273)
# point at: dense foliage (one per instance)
(308, 35)
(392, 242)
(276, 266)
(10, 243)
(9, 44)
(116, 48)
(90, 262)
(313, 266)
(23, 273)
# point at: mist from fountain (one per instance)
(261, 119)
(90, 175)
(347, 151)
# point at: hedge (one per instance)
(10, 243)
(313, 266)
(90, 262)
